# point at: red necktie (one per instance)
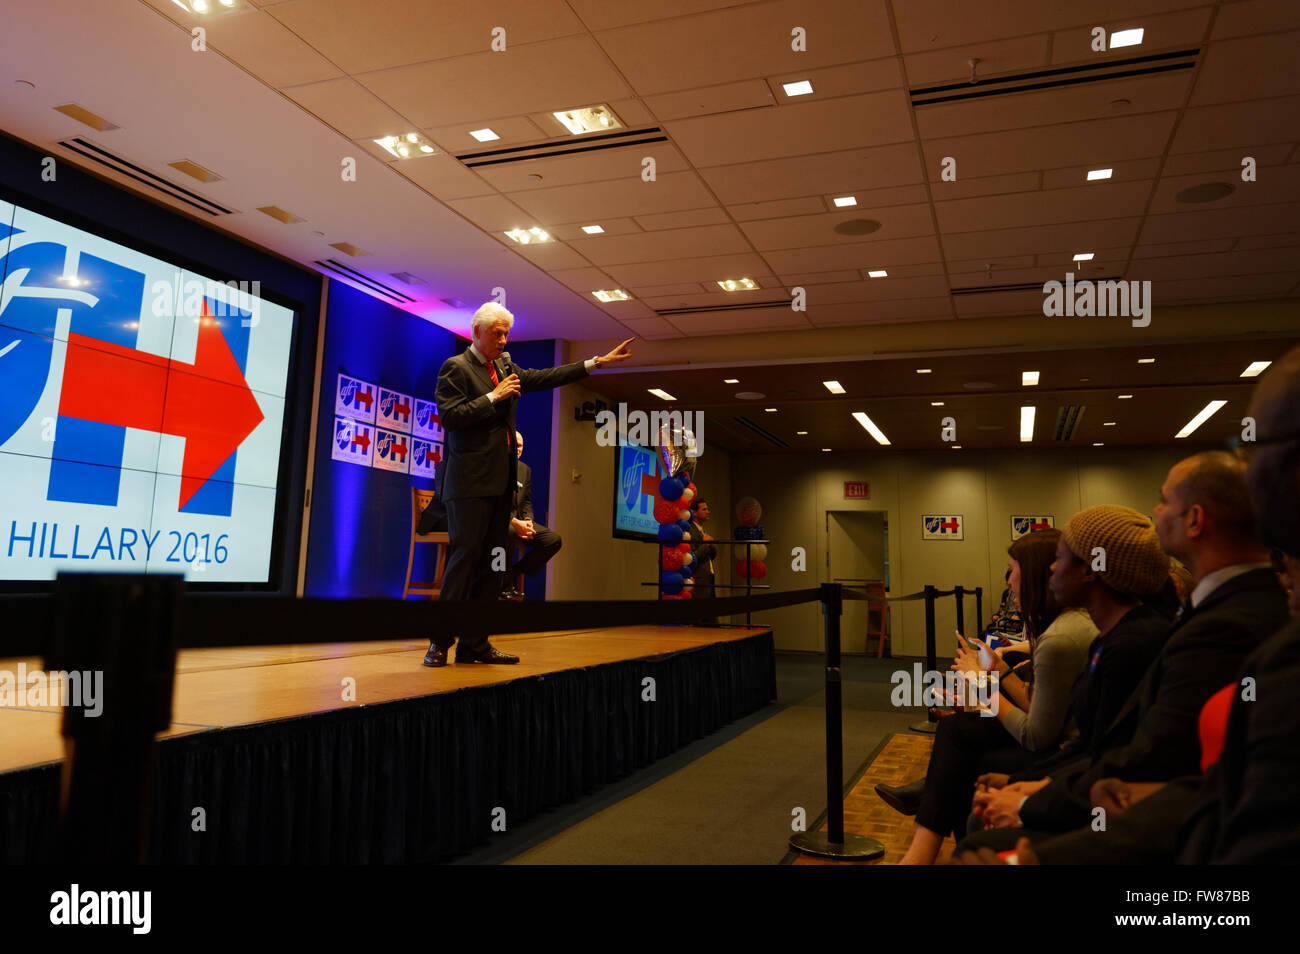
(492, 370)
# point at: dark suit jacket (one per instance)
(704, 554)
(1154, 736)
(480, 460)
(434, 518)
(523, 508)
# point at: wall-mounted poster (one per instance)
(354, 398)
(353, 441)
(394, 411)
(392, 450)
(426, 422)
(425, 457)
(942, 526)
(1027, 523)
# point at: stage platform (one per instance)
(355, 752)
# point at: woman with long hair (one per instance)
(1025, 720)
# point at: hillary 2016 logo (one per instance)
(941, 527)
(425, 457)
(109, 385)
(353, 441)
(354, 398)
(427, 423)
(394, 411)
(391, 451)
(1022, 524)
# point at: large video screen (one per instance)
(637, 472)
(141, 411)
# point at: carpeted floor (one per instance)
(727, 799)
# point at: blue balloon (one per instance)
(670, 533)
(671, 488)
(688, 571)
(672, 582)
(683, 525)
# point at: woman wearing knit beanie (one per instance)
(1026, 722)
(1107, 562)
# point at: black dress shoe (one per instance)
(512, 594)
(436, 656)
(903, 798)
(489, 655)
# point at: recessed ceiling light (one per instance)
(1124, 397)
(801, 433)
(660, 393)
(737, 284)
(1095, 174)
(923, 370)
(1098, 444)
(878, 273)
(825, 448)
(844, 201)
(592, 229)
(1027, 423)
(1084, 256)
(1255, 368)
(800, 88)
(586, 119)
(483, 135)
(834, 387)
(731, 380)
(871, 427)
(1146, 360)
(770, 410)
(406, 146)
(936, 404)
(527, 236)
(1108, 424)
(1204, 415)
(1126, 38)
(611, 294)
(956, 447)
(1028, 379)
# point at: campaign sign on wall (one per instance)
(942, 526)
(427, 423)
(141, 408)
(637, 472)
(425, 457)
(392, 450)
(354, 441)
(354, 398)
(394, 411)
(1027, 523)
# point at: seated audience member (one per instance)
(545, 541)
(1205, 520)
(1242, 810)
(968, 743)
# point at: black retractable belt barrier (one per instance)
(834, 843)
(931, 657)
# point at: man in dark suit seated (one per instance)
(478, 391)
(546, 542)
(434, 517)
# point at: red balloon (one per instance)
(672, 559)
(757, 569)
(666, 511)
(685, 594)
(742, 569)
(684, 547)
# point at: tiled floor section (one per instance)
(903, 759)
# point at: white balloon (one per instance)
(687, 495)
(683, 515)
(688, 559)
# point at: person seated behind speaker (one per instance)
(546, 542)
(434, 517)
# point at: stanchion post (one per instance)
(834, 843)
(749, 578)
(120, 631)
(960, 593)
(979, 610)
(931, 662)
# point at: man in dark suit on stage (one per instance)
(478, 391)
(546, 542)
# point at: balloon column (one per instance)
(673, 513)
(748, 512)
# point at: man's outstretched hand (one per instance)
(621, 353)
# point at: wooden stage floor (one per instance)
(221, 688)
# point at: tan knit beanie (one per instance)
(1134, 562)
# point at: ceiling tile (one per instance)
(442, 176)
(552, 255)
(1093, 201)
(1229, 74)
(682, 220)
(547, 173)
(349, 108)
(1179, 30)
(674, 191)
(740, 322)
(837, 172)
(511, 130)
(952, 65)
(605, 250)
(884, 253)
(703, 269)
(1072, 237)
(1216, 223)
(902, 221)
(495, 214)
(747, 94)
(262, 45)
(1240, 124)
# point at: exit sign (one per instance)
(857, 490)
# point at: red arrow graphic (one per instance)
(402, 408)
(208, 403)
(399, 449)
(363, 396)
(362, 439)
(435, 455)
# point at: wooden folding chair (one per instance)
(431, 588)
